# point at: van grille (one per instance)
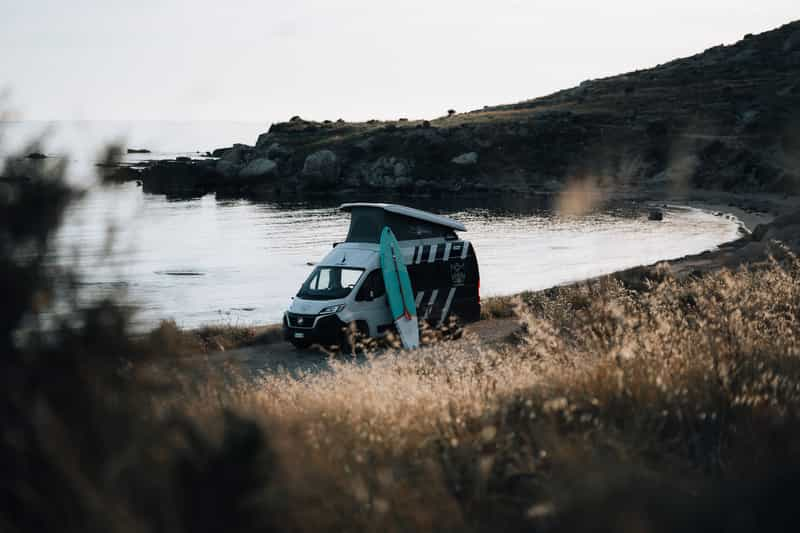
(301, 321)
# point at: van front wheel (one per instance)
(353, 336)
(300, 344)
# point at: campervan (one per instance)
(346, 289)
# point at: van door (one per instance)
(370, 304)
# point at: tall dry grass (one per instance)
(656, 410)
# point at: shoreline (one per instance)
(748, 211)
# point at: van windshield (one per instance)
(330, 283)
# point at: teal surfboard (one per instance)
(399, 292)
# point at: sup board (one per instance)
(399, 292)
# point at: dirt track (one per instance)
(280, 356)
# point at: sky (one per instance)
(354, 59)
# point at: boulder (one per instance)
(655, 214)
(321, 168)
(277, 151)
(385, 171)
(469, 158)
(227, 168)
(259, 168)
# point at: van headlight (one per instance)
(332, 309)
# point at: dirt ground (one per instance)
(280, 356)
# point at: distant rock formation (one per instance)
(723, 119)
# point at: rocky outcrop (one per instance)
(386, 172)
(239, 154)
(723, 119)
(277, 152)
(226, 169)
(259, 168)
(321, 169)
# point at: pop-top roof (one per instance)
(410, 212)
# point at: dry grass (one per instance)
(498, 307)
(663, 409)
(175, 340)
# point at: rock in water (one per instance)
(36, 155)
(138, 151)
(470, 158)
(655, 214)
(321, 168)
(258, 168)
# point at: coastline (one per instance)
(748, 211)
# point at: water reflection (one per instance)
(232, 260)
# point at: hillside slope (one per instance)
(728, 118)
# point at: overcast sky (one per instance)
(357, 59)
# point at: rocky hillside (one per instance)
(728, 118)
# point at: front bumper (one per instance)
(321, 329)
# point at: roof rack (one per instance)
(409, 212)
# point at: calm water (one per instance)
(208, 261)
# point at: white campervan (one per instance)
(346, 287)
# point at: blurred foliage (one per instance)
(81, 447)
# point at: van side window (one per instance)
(372, 288)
